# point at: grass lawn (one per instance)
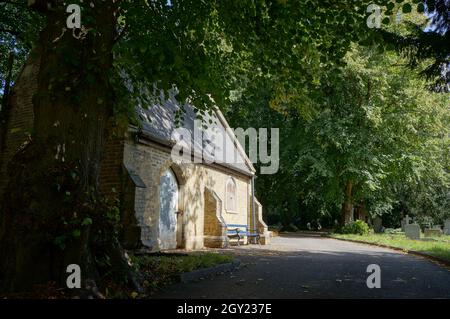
(160, 270)
(439, 247)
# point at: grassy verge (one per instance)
(155, 271)
(439, 247)
(158, 271)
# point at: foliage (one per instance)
(374, 123)
(357, 227)
(290, 228)
(160, 270)
(427, 48)
(18, 30)
(227, 47)
(231, 47)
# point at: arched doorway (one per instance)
(168, 198)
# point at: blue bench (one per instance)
(240, 232)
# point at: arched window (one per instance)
(231, 201)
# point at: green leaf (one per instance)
(407, 8)
(421, 8)
(390, 6)
(76, 233)
(87, 221)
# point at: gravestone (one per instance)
(412, 231)
(377, 224)
(447, 227)
(433, 232)
(405, 221)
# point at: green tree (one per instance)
(18, 30)
(427, 48)
(375, 136)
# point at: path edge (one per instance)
(406, 251)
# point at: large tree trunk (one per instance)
(347, 205)
(361, 212)
(52, 195)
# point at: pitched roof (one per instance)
(219, 144)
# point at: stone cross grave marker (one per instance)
(405, 221)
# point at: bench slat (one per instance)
(240, 231)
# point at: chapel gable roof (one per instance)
(158, 124)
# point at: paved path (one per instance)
(314, 267)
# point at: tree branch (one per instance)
(21, 4)
(10, 31)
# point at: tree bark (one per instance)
(347, 205)
(361, 212)
(53, 181)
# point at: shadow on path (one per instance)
(312, 267)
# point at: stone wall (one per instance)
(215, 228)
(261, 226)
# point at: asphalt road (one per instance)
(315, 267)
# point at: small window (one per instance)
(231, 205)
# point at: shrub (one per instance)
(290, 228)
(357, 227)
(393, 231)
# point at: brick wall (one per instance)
(111, 169)
(148, 163)
(20, 116)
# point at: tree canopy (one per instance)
(375, 125)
